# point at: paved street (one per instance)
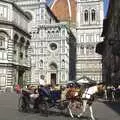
(8, 111)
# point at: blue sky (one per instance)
(49, 1)
(106, 2)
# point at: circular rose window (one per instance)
(53, 46)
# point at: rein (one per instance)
(86, 92)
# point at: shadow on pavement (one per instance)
(55, 113)
(113, 105)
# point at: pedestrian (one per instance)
(41, 80)
(17, 88)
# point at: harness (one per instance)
(91, 96)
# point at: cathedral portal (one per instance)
(53, 73)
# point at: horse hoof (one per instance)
(92, 119)
(78, 116)
(72, 116)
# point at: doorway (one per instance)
(20, 78)
(53, 79)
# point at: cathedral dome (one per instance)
(64, 10)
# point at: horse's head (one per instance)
(101, 87)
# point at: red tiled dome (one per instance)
(64, 10)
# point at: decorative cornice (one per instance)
(15, 27)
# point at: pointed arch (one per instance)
(86, 15)
(41, 63)
(4, 36)
(15, 38)
(93, 14)
(53, 66)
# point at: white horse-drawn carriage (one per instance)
(72, 98)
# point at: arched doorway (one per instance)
(20, 77)
(53, 73)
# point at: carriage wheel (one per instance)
(43, 108)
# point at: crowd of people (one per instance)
(65, 90)
(112, 93)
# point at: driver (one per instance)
(44, 90)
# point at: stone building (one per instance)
(14, 45)
(84, 18)
(110, 47)
(52, 43)
(89, 21)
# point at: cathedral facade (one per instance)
(52, 53)
(51, 44)
(87, 17)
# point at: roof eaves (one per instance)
(17, 7)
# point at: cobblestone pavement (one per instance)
(8, 111)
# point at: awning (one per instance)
(85, 80)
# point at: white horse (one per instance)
(87, 100)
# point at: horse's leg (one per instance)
(113, 95)
(84, 108)
(91, 112)
(106, 97)
(71, 114)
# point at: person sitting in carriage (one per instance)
(44, 90)
(30, 92)
(73, 92)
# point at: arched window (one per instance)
(41, 63)
(57, 33)
(63, 32)
(86, 15)
(15, 44)
(3, 38)
(48, 34)
(63, 63)
(87, 49)
(2, 41)
(93, 14)
(91, 49)
(15, 38)
(81, 49)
